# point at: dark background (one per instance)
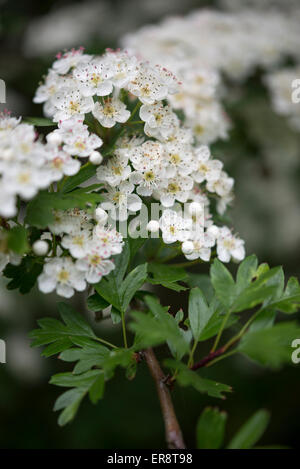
(266, 214)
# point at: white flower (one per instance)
(77, 243)
(81, 144)
(174, 227)
(201, 246)
(174, 189)
(111, 111)
(25, 179)
(148, 86)
(70, 221)
(147, 179)
(61, 274)
(115, 171)
(109, 242)
(69, 60)
(222, 186)
(229, 246)
(146, 155)
(120, 202)
(207, 169)
(160, 120)
(180, 159)
(94, 266)
(94, 77)
(124, 67)
(69, 102)
(60, 163)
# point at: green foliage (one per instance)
(211, 429)
(166, 276)
(85, 173)
(258, 290)
(23, 276)
(158, 326)
(199, 312)
(270, 346)
(40, 209)
(187, 377)
(211, 424)
(251, 431)
(117, 289)
(17, 240)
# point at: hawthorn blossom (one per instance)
(111, 111)
(229, 246)
(61, 274)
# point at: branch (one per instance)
(210, 357)
(173, 432)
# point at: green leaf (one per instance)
(270, 347)
(187, 377)
(85, 173)
(62, 336)
(166, 273)
(109, 287)
(96, 303)
(223, 283)
(23, 275)
(39, 121)
(211, 429)
(251, 431)
(91, 382)
(132, 283)
(96, 391)
(74, 321)
(203, 282)
(17, 240)
(246, 271)
(199, 312)
(40, 209)
(158, 329)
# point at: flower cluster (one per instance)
(200, 46)
(27, 164)
(124, 107)
(89, 244)
(280, 84)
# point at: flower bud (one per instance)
(54, 138)
(96, 157)
(187, 247)
(40, 247)
(100, 215)
(195, 208)
(153, 226)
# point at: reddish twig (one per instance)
(210, 357)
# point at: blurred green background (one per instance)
(262, 153)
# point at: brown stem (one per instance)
(211, 356)
(173, 432)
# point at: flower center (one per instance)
(63, 276)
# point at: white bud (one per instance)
(213, 230)
(153, 226)
(40, 247)
(187, 247)
(54, 138)
(101, 215)
(195, 208)
(96, 157)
